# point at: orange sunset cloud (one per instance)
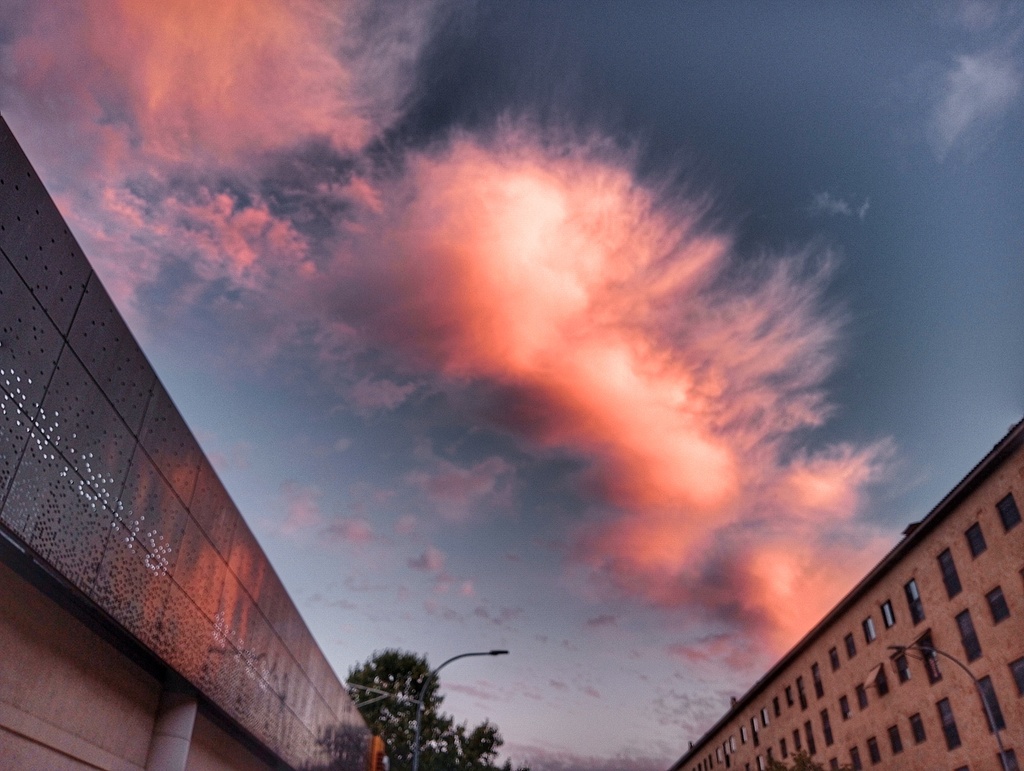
(606, 311)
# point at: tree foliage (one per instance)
(801, 762)
(444, 745)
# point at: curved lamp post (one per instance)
(927, 650)
(423, 691)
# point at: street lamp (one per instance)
(423, 691)
(929, 650)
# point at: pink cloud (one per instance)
(609, 323)
(356, 531)
(617, 328)
(457, 491)
(432, 560)
(302, 507)
(369, 395)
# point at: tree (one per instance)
(801, 762)
(444, 745)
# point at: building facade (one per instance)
(878, 683)
(141, 625)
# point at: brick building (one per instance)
(848, 695)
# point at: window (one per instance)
(1017, 667)
(881, 682)
(873, 752)
(789, 695)
(894, 739)
(783, 750)
(776, 706)
(862, 697)
(797, 745)
(868, 625)
(851, 647)
(833, 657)
(949, 575)
(833, 764)
(1008, 512)
(987, 688)
(948, 724)
(972, 648)
(753, 732)
(768, 752)
(914, 601)
(809, 731)
(760, 763)
(976, 539)
(801, 693)
(819, 688)
(931, 659)
(997, 604)
(826, 728)
(844, 707)
(718, 754)
(764, 716)
(732, 742)
(902, 668)
(743, 734)
(1010, 760)
(917, 728)
(855, 759)
(888, 616)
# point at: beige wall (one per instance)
(69, 700)
(214, 750)
(1000, 565)
(64, 688)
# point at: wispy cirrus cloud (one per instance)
(601, 316)
(975, 93)
(613, 326)
(834, 205)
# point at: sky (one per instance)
(624, 336)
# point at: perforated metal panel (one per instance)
(101, 477)
(56, 512)
(213, 509)
(36, 239)
(29, 343)
(86, 429)
(170, 444)
(184, 637)
(199, 570)
(107, 349)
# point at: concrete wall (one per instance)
(68, 699)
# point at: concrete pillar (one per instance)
(172, 730)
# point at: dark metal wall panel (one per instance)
(29, 342)
(170, 444)
(53, 509)
(214, 510)
(101, 477)
(199, 570)
(107, 349)
(85, 429)
(35, 238)
(13, 440)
